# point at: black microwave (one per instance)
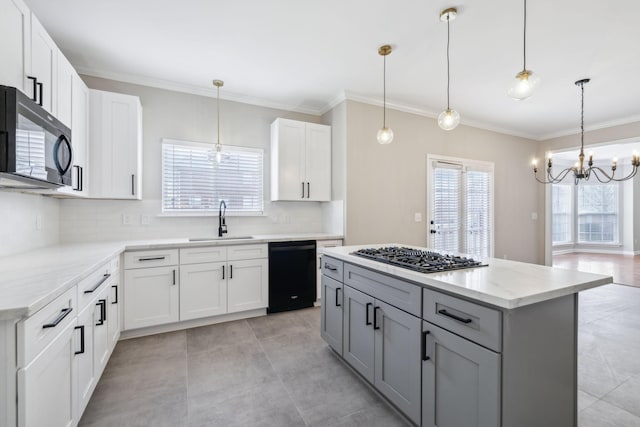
(35, 147)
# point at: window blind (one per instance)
(562, 208)
(478, 209)
(598, 213)
(192, 180)
(447, 187)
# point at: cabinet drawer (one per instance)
(332, 267)
(203, 255)
(37, 331)
(144, 259)
(247, 252)
(472, 321)
(91, 286)
(403, 295)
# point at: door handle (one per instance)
(103, 315)
(308, 190)
(35, 89)
(81, 327)
(223, 272)
(174, 277)
(230, 271)
(115, 301)
(337, 301)
(432, 231)
(39, 93)
(303, 190)
(133, 185)
(366, 320)
(375, 318)
(424, 346)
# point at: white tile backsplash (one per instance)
(27, 221)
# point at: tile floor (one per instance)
(276, 371)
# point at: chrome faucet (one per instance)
(222, 225)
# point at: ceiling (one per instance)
(308, 55)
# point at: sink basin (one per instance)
(215, 238)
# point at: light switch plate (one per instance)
(534, 216)
(417, 217)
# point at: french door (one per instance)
(460, 207)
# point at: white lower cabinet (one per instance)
(113, 311)
(382, 343)
(151, 296)
(46, 386)
(248, 285)
(86, 380)
(203, 290)
(101, 338)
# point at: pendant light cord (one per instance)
(384, 91)
(218, 111)
(582, 119)
(448, 77)
(524, 38)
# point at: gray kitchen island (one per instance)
(488, 346)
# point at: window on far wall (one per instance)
(193, 182)
(598, 213)
(562, 208)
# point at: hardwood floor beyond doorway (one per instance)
(625, 269)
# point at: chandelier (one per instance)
(579, 170)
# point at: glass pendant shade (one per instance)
(523, 85)
(385, 135)
(448, 119)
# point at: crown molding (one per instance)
(193, 89)
(597, 126)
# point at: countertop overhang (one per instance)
(30, 280)
(503, 283)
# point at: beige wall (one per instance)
(386, 185)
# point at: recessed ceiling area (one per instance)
(305, 56)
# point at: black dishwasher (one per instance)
(292, 275)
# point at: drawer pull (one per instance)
(366, 320)
(454, 317)
(424, 346)
(64, 313)
(157, 258)
(100, 282)
(81, 327)
(330, 267)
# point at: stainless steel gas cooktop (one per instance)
(418, 260)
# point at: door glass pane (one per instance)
(478, 221)
(561, 206)
(446, 208)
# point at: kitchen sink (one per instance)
(215, 238)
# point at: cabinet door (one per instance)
(43, 63)
(248, 285)
(113, 311)
(15, 44)
(358, 332)
(101, 339)
(64, 90)
(46, 386)
(318, 162)
(151, 297)
(116, 145)
(331, 313)
(397, 358)
(461, 382)
(86, 379)
(79, 137)
(203, 290)
(288, 160)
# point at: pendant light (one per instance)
(578, 170)
(218, 84)
(385, 134)
(449, 118)
(526, 81)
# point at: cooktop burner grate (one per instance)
(418, 260)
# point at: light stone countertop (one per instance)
(504, 284)
(30, 280)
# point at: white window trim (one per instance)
(208, 212)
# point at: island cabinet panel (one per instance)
(398, 293)
(331, 313)
(461, 381)
(358, 331)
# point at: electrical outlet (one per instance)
(417, 217)
(145, 219)
(39, 220)
(126, 219)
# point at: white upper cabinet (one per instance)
(115, 145)
(44, 67)
(15, 41)
(64, 90)
(300, 161)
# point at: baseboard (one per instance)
(595, 251)
(171, 327)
